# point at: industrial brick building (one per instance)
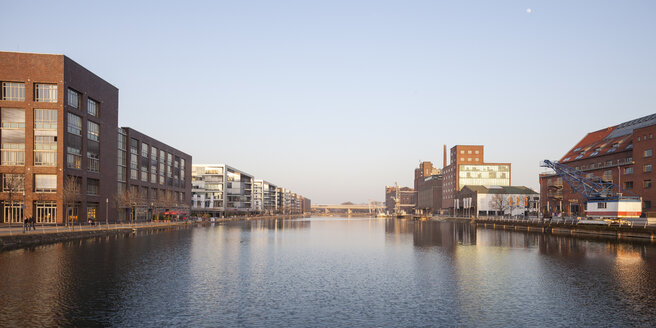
(154, 177)
(467, 167)
(622, 154)
(59, 132)
(60, 146)
(399, 199)
(428, 184)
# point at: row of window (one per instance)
(644, 137)
(44, 183)
(74, 100)
(75, 127)
(147, 193)
(45, 92)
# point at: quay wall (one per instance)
(622, 232)
(43, 237)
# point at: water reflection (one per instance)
(330, 272)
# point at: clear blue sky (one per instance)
(336, 99)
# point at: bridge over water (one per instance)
(348, 208)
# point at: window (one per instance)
(133, 166)
(45, 92)
(646, 204)
(73, 158)
(45, 119)
(92, 107)
(647, 168)
(628, 185)
(45, 149)
(134, 146)
(92, 211)
(13, 136)
(45, 183)
(646, 184)
(122, 140)
(121, 173)
(73, 98)
(462, 151)
(601, 205)
(93, 131)
(13, 183)
(144, 149)
(13, 211)
(13, 91)
(74, 124)
(45, 212)
(628, 170)
(469, 152)
(647, 152)
(92, 187)
(476, 152)
(93, 162)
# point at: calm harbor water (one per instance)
(330, 272)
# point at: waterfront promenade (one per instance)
(13, 236)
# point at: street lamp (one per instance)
(107, 212)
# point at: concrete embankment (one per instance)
(608, 232)
(49, 235)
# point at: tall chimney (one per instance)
(444, 153)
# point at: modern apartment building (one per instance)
(153, 177)
(58, 140)
(467, 167)
(269, 197)
(284, 200)
(622, 154)
(258, 195)
(219, 189)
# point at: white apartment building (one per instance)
(219, 189)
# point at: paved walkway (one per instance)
(40, 229)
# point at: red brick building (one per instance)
(58, 125)
(59, 145)
(406, 196)
(428, 185)
(622, 154)
(467, 167)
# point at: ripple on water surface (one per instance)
(330, 272)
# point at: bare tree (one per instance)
(128, 198)
(13, 184)
(499, 203)
(71, 192)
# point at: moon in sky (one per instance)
(529, 10)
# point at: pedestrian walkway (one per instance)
(42, 229)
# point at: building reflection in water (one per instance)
(431, 233)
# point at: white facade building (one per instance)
(219, 189)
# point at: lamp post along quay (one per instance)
(107, 212)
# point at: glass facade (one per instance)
(484, 175)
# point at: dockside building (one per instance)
(622, 154)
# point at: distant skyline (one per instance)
(336, 99)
